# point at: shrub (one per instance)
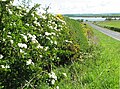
(31, 46)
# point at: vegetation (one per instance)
(113, 24)
(33, 46)
(45, 51)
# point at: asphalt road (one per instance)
(113, 34)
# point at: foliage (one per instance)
(79, 38)
(31, 46)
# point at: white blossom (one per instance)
(9, 36)
(3, 39)
(55, 42)
(39, 46)
(24, 36)
(52, 81)
(52, 75)
(9, 32)
(11, 41)
(10, 11)
(21, 51)
(46, 48)
(57, 87)
(68, 41)
(47, 34)
(7, 66)
(22, 45)
(40, 56)
(29, 62)
(1, 56)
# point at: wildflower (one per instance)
(29, 62)
(22, 45)
(1, 56)
(47, 34)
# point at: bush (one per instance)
(32, 45)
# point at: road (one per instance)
(113, 34)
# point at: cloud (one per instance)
(81, 6)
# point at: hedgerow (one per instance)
(32, 45)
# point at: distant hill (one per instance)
(85, 15)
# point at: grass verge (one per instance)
(99, 72)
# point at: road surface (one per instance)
(113, 34)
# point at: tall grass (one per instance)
(77, 33)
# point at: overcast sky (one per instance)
(81, 6)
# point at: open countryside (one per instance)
(50, 45)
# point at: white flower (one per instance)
(29, 35)
(9, 32)
(46, 48)
(57, 87)
(3, 39)
(51, 41)
(55, 42)
(52, 75)
(64, 74)
(24, 36)
(21, 51)
(68, 41)
(1, 56)
(50, 27)
(53, 82)
(22, 45)
(47, 34)
(10, 11)
(29, 62)
(7, 66)
(27, 24)
(39, 46)
(41, 56)
(2, 66)
(9, 36)
(11, 41)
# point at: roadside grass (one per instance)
(99, 72)
(106, 71)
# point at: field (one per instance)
(113, 25)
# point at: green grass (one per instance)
(100, 72)
(114, 23)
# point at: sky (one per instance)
(80, 6)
